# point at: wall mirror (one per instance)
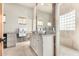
(44, 17)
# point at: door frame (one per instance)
(57, 23)
(1, 33)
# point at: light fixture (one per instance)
(49, 24)
(42, 3)
(40, 23)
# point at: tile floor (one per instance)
(21, 49)
(65, 51)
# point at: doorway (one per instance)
(29, 20)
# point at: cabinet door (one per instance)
(40, 45)
(36, 44)
(48, 45)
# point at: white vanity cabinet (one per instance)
(36, 44)
(11, 39)
(48, 45)
(43, 44)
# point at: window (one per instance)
(4, 17)
(67, 21)
(22, 20)
(22, 26)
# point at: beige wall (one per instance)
(70, 38)
(1, 45)
(13, 11)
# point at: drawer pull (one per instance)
(1, 39)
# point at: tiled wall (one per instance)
(70, 38)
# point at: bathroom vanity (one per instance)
(37, 44)
(43, 44)
(48, 45)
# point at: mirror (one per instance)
(44, 18)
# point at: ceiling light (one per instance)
(42, 3)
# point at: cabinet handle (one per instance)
(1, 39)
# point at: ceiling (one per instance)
(30, 5)
(45, 7)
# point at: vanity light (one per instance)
(49, 24)
(40, 23)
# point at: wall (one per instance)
(13, 12)
(70, 38)
(1, 45)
